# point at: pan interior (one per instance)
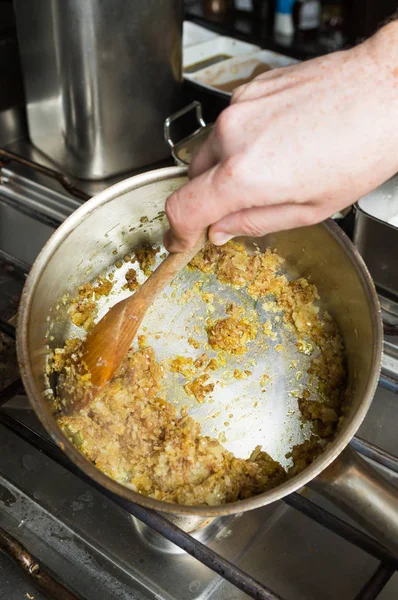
(259, 409)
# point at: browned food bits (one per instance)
(146, 257)
(199, 388)
(318, 334)
(212, 365)
(183, 365)
(239, 374)
(231, 334)
(201, 361)
(83, 309)
(131, 279)
(138, 439)
(194, 343)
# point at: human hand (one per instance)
(295, 146)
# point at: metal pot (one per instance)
(376, 238)
(83, 244)
(100, 78)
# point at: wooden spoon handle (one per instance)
(108, 343)
(167, 271)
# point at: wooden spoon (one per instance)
(108, 342)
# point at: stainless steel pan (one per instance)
(104, 229)
(377, 238)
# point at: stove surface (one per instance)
(99, 550)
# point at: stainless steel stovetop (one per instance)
(99, 550)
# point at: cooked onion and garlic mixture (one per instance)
(131, 432)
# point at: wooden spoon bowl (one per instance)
(107, 344)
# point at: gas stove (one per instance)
(79, 542)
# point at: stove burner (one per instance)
(200, 528)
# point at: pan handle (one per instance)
(355, 487)
(180, 150)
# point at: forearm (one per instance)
(383, 47)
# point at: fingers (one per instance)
(207, 156)
(259, 221)
(192, 208)
(225, 139)
(205, 200)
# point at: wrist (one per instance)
(374, 80)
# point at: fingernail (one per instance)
(219, 238)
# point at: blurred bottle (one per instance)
(333, 24)
(283, 22)
(263, 10)
(307, 19)
(244, 5)
(216, 7)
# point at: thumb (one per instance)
(259, 221)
